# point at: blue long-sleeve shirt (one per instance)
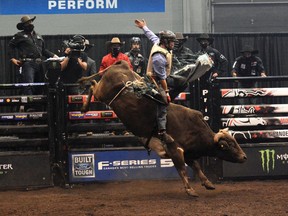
(158, 59)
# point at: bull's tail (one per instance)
(83, 80)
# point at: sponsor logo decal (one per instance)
(36, 98)
(83, 166)
(77, 116)
(78, 98)
(7, 117)
(269, 158)
(36, 116)
(15, 100)
(24, 99)
(21, 117)
(107, 114)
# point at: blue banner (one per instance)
(119, 165)
(31, 7)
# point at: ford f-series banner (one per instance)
(119, 165)
(31, 7)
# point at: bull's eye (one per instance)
(223, 146)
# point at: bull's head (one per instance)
(227, 147)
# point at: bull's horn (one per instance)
(224, 130)
(218, 136)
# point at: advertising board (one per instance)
(119, 165)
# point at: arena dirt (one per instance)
(150, 198)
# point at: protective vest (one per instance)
(157, 49)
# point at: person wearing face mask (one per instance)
(27, 51)
(182, 55)
(136, 59)
(112, 57)
(115, 55)
(220, 64)
(248, 65)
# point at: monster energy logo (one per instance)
(267, 159)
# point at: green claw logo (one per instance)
(267, 159)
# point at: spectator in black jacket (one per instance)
(220, 65)
(182, 55)
(248, 64)
(27, 50)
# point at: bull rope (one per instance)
(127, 84)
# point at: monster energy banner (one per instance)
(254, 92)
(263, 134)
(254, 109)
(254, 121)
(262, 161)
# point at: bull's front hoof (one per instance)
(192, 192)
(208, 185)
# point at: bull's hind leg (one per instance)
(197, 169)
(176, 154)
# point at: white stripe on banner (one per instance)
(254, 121)
(263, 134)
(254, 92)
(254, 109)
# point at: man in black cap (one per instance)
(219, 68)
(27, 50)
(248, 64)
(220, 65)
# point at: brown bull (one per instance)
(187, 127)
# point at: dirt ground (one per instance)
(150, 198)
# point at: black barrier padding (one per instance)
(104, 141)
(95, 127)
(14, 142)
(24, 129)
(25, 169)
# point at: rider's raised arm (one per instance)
(148, 33)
